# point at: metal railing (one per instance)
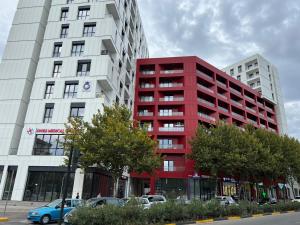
(171, 129)
(252, 121)
(171, 114)
(206, 102)
(204, 75)
(174, 99)
(145, 113)
(170, 71)
(238, 115)
(206, 116)
(148, 72)
(222, 96)
(222, 84)
(205, 88)
(171, 146)
(236, 102)
(223, 109)
(250, 109)
(166, 85)
(235, 91)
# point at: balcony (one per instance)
(170, 71)
(268, 108)
(171, 146)
(260, 104)
(222, 96)
(147, 99)
(205, 88)
(145, 113)
(147, 85)
(261, 114)
(271, 120)
(174, 99)
(206, 102)
(238, 115)
(170, 85)
(171, 114)
(222, 84)
(252, 121)
(250, 109)
(249, 98)
(236, 102)
(223, 109)
(147, 72)
(207, 116)
(235, 91)
(171, 129)
(204, 75)
(263, 126)
(173, 168)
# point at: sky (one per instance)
(221, 32)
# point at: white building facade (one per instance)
(63, 58)
(261, 75)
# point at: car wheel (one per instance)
(45, 219)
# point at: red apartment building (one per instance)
(173, 95)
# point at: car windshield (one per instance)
(54, 203)
(298, 197)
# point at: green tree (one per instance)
(113, 142)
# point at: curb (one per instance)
(232, 218)
(3, 219)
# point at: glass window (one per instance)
(64, 14)
(1, 172)
(77, 110)
(57, 69)
(48, 113)
(239, 77)
(89, 30)
(83, 68)
(231, 72)
(83, 13)
(168, 165)
(64, 31)
(48, 144)
(71, 89)
(10, 182)
(57, 49)
(49, 90)
(240, 69)
(70, 1)
(77, 48)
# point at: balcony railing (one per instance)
(267, 107)
(147, 86)
(206, 116)
(222, 96)
(238, 115)
(222, 84)
(250, 109)
(252, 121)
(235, 91)
(271, 119)
(263, 126)
(223, 109)
(173, 168)
(167, 85)
(145, 113)
(148, 72)
(171, 146)
(261, 114)
(171, 129)
(260, 104)
(171, 114)
(206, 102)
(146, 99)
(174, 99)
(249, 98)
(236, 102)
(205, 88)
(170, 71)
(204, 75)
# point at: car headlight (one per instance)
(34, 213)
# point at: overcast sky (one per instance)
(221, 32)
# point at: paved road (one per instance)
(283, 219)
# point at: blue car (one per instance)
(51, 212)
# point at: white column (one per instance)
(3, 180)
(78, 183)
(20, 183)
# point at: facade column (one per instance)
(3, 181)
(20, 183)
(78, 183)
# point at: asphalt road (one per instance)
(17, 218)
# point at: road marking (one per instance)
(257, 215)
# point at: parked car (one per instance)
(51, 212)
(155, 199)
(94, 203)
(143, 202)
(226, 200)
(296, 199)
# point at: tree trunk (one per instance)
(116, 186)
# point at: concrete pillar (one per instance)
(3, 180)
(78, 183)
(20, 183)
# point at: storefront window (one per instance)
(46, 185)
(10, 181)
(171, 188)
(48, 144)
(202, 188)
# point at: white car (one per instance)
(296, 199)
(226, 200)
(155, 199)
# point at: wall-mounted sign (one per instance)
(86, 86)
(31, 131)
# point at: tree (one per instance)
(112, 142)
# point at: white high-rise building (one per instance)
(261, 75)
(63, 58)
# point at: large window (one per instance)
(77, 110)
(169, 165)
(64, 14)
(10, 182)
(48, 144)
(77, 49)
(49, 90)
(64, 31)
(48, 113)
(89, 30)
(83, 68)
(57, 69)
(1, 172)
(71, 88)
(57, 49)
(45, 184)
(83, 13)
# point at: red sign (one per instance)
(49, 131)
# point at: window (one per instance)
(258, 83)
(268, 68)
(271, 86)
(48, 144)
(89, 30)
(49, 90)
(83, 13)
(64, 14)
(77, 110)
(251, 75)
(239, 68)
(48, 113)
(71, 89)
(64, 31)
(57, 69)
(239, 77)
(169, 165)
(57, 49)
(70, 1)
(252, 85)
(83, 68)
(231, 72)
(77, 48)
(165, 143)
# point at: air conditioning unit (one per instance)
(104, 52)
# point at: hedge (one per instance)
(171, 212)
